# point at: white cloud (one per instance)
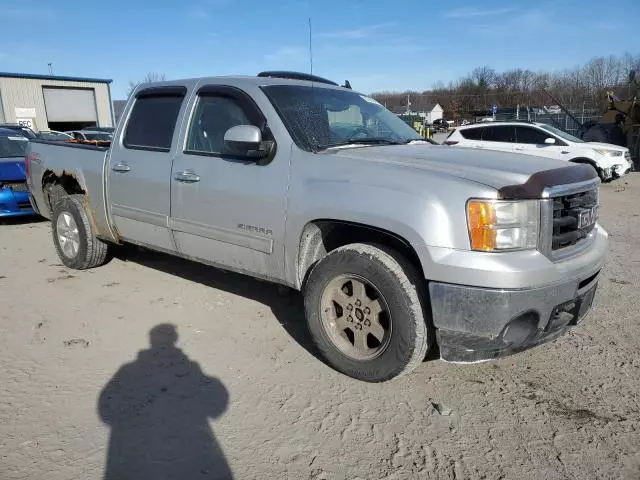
(393, 47)
(358, 33)
(199, 13)
(470, 12)
(286, 54)
(203, 9)
(533, 21)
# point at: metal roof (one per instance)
(53, 77)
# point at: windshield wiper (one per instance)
(360, 141)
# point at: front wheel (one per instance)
(75, 242)
(364, 312)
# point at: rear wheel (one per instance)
(75, 242)
(364, 312)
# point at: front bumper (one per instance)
(528, 317)
(621, 170)
(14, 204)
(485, 321)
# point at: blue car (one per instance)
(14, 193)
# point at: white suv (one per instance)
(610, 161)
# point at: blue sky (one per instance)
(376, 45)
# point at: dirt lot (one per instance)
(242, 391)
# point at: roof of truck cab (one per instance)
(240, 81)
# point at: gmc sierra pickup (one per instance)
(396, 244)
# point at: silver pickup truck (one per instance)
(398, 245)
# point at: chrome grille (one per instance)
(573, 218)
(563, 211)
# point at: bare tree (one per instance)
(578, 87)
(150, 77)
(484, 78)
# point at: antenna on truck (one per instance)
(310, 49)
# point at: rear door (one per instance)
(499, 137)
(531, 141)
(139, 186)
(226, 210)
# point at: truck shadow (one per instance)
(286, 305)
(22, 220)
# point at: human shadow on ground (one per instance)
(286, 305)
(158, 408)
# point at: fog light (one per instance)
(520, 328)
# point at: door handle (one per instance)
(188, 176)
(121, 167)
(519, 149)
(564, 152)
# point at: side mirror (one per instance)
(246, 141)
(550, 141)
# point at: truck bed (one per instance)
(73, 162)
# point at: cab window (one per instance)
(214, 115)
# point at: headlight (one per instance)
(608, 153)
(498, 225)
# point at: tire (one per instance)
(90, 252)
(54, 192)
(392, 284)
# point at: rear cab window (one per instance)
(153, 118)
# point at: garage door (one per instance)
(70, 105)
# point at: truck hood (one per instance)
(12, 169)
(491, 168)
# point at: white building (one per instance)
(433, 112)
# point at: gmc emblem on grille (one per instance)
(587, 217)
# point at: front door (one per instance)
(531, 141)
(140, 168)
(226, 210)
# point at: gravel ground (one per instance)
(83, 392)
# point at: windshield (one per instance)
(319, 118)
(561, 134)
(12, 146)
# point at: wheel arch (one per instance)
(321, 236)
(57, 184)
(67, 181)
(588, 161)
